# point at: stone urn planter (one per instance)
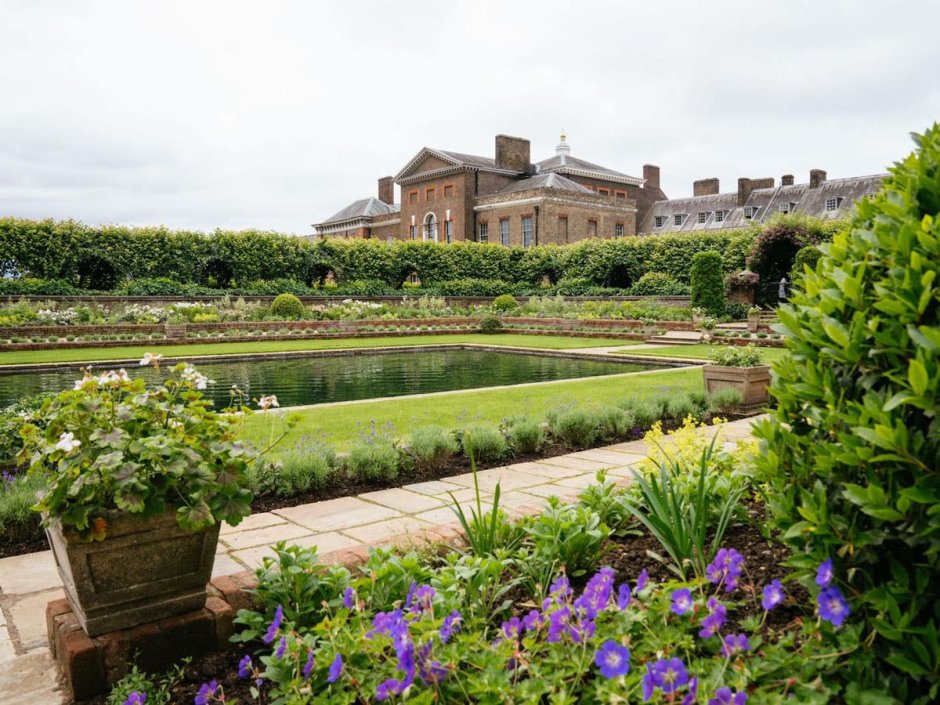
(144, 570)
(753, 321)
(751, 382)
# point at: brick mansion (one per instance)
(509, 200)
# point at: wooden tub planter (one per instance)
(751, 382)
(144, 570)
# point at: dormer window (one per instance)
(832, 204)
(786, 207)
(702, 217)
(750, 212)
(719, 216)
(659, 221)
(678, 218)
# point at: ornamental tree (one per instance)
(708, 285)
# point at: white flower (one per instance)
(151, 359)
(80, 383)
(67, 443)
(267, 402)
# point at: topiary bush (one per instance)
(491, 324)
(807, 256)
(658, 284)
(287, 306)
(505, 302)
(708, 284)
(853, 449)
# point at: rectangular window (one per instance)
(702, 217)
(620, 194)
(750, 212)
(504, 232)
(677, 219)
(832, 204)
(603, 191)
(449, 231)
(660, 220)
(719, 216)
(448, 190)
(563, 228)
(413, 197)
(784, 208)
(413, 232)
(484, 230)
(527, 231)
(618, 230)
(592, 228)
(429, 195)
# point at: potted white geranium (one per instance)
(139, 480)
(740, 368)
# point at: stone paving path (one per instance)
(413, 512)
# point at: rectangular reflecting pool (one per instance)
(316, 379)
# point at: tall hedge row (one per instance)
(102, 257)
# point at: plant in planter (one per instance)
(137, 482)
(753, 318)
(739, 368)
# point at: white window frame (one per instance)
(527, 234)
(703, 217)
(429, 228)
(483, 232)
(783, 208)
(413, 232)
(448, 231)
(719, 216)
(618, 229)
(659, 221)
(750, 212)
(835, 201)
(678, 218)
(504, 232)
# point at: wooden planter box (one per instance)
(144, 570)
(751, 382)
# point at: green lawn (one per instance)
(209, 348)
(699, 351)
(340, 424)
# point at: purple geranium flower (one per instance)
(666, 674)
(726, 568)
(271, 634)
(692, 693)
(734, 644)
(308, 667)
(596, 593)
(824, 573)
(773, 595)
(450, 625)
(612, 659)
(533, 621)
(281, 647)
(421, 598)
(642, 581)
(349, 598)
(681, 601)
(207, 693)
(832, 606)
(623, 596)
(714, 620)
(724, 696)
(136, 698)
(512, 629)
(245, 667)
(561, 588)
(336, 669)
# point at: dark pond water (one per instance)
(315, 380)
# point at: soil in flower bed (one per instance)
(627, 555)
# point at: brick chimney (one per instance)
(786, 180)
(816, 177)
(744, 190)
(512, 153)
(387, 189)
(651, 176)
(705, 187)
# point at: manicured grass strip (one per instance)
(340, 424)
(549, 342)
(699, 351)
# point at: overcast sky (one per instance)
(274, 115)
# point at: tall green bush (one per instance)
(708, 283)
(853, 448)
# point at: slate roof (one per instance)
(364, 208)
(765, 202)
(469, 159)
(565, 162)
(549, 180)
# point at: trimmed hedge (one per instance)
(708, 286)
(68, 255)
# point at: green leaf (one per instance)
(917, 376)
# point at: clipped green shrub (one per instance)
(505, 302)
(373, 458)
(658, 284)
(679, 406)
(490, 324)
(287, 306)
(305, 467)
(646, 411)
(613, 423)
(575, 426)
(736, 356)
(526, 435)
(805, 257)
(853, 448)
(707, 282)
(485, 440)
(430, 447)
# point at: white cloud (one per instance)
(275, 115)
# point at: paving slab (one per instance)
(30, 679)
(579, 482)
(550, 472)
(390, 528)
(580, 464)
(432, 487)
(403, 500)
(335, 514)
(226, 565)
(264, 536)
(551, 490)
(28, 614)
(508, 478)
(31, 572)
(255, 521)
(610, 458)
(7, 650)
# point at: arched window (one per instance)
(430, 227)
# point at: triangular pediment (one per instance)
(427, 160)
